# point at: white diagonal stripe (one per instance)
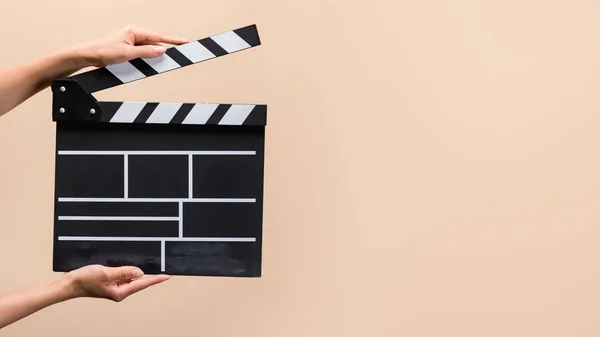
(163, 113)
(237, 114)
(125, 72)
(200, 113)
(162, 63)
(195, 51)
(230, 41)
(127, 112)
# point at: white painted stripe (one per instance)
(195, 51)
(162, 255)
(190, 176)
(126, 176)
(127, 112)
(200, 113)
(162, 63)
(150, 239)
(163, 113)
(237, 114)
(120, 218)
(157, 153)
(230, 41)
(67, 199)
(180, 219)
(125, 72)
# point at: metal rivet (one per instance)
(62, 89)
(92, 111)
(62, 110)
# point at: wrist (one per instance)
(80, 56)
(65, 288)
(58, 65)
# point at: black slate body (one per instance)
(125, 196)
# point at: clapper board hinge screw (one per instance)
(62, 110)
(92, 111)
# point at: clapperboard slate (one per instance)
(173, 188)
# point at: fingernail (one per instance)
(137, 273)
(159, 49)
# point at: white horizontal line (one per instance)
(151, 239)
(121, 218)
(62, 199)
(180, 153)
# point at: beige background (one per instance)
(453, 160)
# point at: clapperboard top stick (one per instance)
(136, 185)
(73, 99)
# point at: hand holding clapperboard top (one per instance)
(169, 187)
(155, 188)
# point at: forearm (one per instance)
(20, 82)
(17, 305)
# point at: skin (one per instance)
(19, 83)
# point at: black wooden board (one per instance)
(184, 200)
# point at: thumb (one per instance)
(125, 273)
(146, 51)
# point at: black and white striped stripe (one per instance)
(175, 57)
(183, 113)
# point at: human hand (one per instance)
(113, 283)
(126, 44)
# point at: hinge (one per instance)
(71, 103)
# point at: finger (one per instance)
(143, 35)
(146, 51)
(140, 284)
(123, 273)
(144, 43)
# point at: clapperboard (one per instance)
(170, 187)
